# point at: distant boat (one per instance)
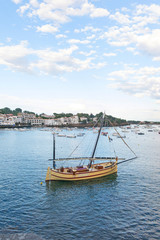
(104, 133)
(107, 166)
(71, 136)
(61, 135)
(140, 133)
(119, 136)
(80, 134)
(115, 134)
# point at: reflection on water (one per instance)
(108, 181)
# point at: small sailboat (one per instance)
(105, 166)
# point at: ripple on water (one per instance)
(123, 206)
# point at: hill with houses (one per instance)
(17, 117)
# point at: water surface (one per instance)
(125, 205)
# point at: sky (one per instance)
(81, 56)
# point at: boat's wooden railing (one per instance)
(87, 158)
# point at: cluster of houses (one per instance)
(31, 119)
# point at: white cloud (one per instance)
(110, 54)
(99, 12)
(149, 43)
(23, 9)
(151, 11)
(121, 18)
(47, 29)
(138, 29)
(16, 56)
(46, 61)
(87, 53)
(133, 50)
(91, 37)
(77, 41)
(139, 82)
(156, 59)
(17, 1)
(86, 29)
(61, 36)
(61, 11)
(34, 3)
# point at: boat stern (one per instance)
(48, 175)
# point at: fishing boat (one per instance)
(104, 166)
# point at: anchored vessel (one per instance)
(106, 166)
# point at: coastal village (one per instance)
(19, 118)
(31, 119)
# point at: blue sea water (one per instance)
(125, 205)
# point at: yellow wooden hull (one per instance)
(57, 175)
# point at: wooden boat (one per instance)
(82, 172)
(105, 167)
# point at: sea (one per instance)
(125, 205)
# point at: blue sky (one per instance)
(81, 56)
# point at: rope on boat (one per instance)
(82, 140)
(122, 138)
(127, 160)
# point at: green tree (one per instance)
(29, 112)
(16, 111)
(6, 110)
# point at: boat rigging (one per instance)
(107, 165)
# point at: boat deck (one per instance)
(80, 172)
(85, 168)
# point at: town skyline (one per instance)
(18, 116)
(81, 56)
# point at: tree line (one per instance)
(88, 117)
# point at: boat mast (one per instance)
(54, 164)
(102, 119)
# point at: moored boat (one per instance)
(95, 168)
(82, 172)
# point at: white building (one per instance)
(52, 122)
(47, 116)
(95, 119)
(7, 119)
(36, 121)
(83, 119)
(74, 119)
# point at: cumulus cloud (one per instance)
(47, 29)
(149, 43)
(16, 56)
(78, 41)
(139, 82)
(60, 11)
(61, 36)
(51, 62)
(109, 54)
(17, 1)
(87, 53)
(139, 29)
(86, 29)
(120, 18)
(22, 58)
